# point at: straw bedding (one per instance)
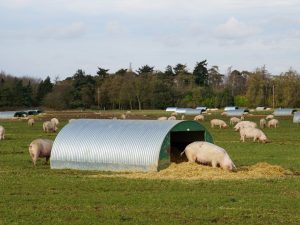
(193, 171)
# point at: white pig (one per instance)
(40, 148)
(243, 124)
(208, 153)
(2, 132)
(273, 123)
(250, 132)
(219, 123)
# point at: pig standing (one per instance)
(40, 148)
(2, 132)
(208, 153)
(262, 123)
(49, 127)
(219, 123)
(273, 123)
(30, 122)
(250, 132)
(55, 121)
(199, 118)
(243, 124)
(234, 120)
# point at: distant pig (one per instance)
(250, 132)
(208, 153)
(49, 127)
(2, 132)
(219, 123)
(40, 148)
(244, 124)
(30, 122)
(273, 123)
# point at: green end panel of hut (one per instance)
(178, 138)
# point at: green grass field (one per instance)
(42, 196)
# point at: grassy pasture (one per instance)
(39, 195)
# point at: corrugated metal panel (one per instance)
(110, 144)
(203, 108)
(193, 111)
(284, 112)
(7, 114)
(237, 112)
(296, 118)
(260, 108)
(181, 110)
(227, 108)
(171, 109)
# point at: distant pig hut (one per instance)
(284, 112)
(237, 112)
(296, 118)
(124, 145)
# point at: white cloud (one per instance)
(234, 29)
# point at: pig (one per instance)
(172, 118)
(2, 133)
(219, 123)
(273, 123)
(268, 117)
(199, 118)
(234, 120)
(250, 132)
(244, 124)
(49, 127)
(262, 123)
(162, 118)
(174, 114)
(208, 153)
(30, 122)
(55, 121)
(40, 148)
(123, 116)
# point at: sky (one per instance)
(55, 38)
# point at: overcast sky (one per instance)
(57, 37)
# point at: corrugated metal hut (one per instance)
(227, 108)
(296, 118)
(182, 110)
(284, 112)
(202, 108)
(237, 112)
(260, 108)
(171, 109)
(123, 145)
(193, 111)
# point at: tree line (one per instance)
(147, 88)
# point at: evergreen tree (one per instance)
(201, 73)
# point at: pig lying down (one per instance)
(208, 153)
(40, 148)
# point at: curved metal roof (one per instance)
(296, 118)
(171, 109)
(237, 112)
(111, 144)
(284, 112)
(227, 108)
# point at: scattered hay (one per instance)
(193, 171)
